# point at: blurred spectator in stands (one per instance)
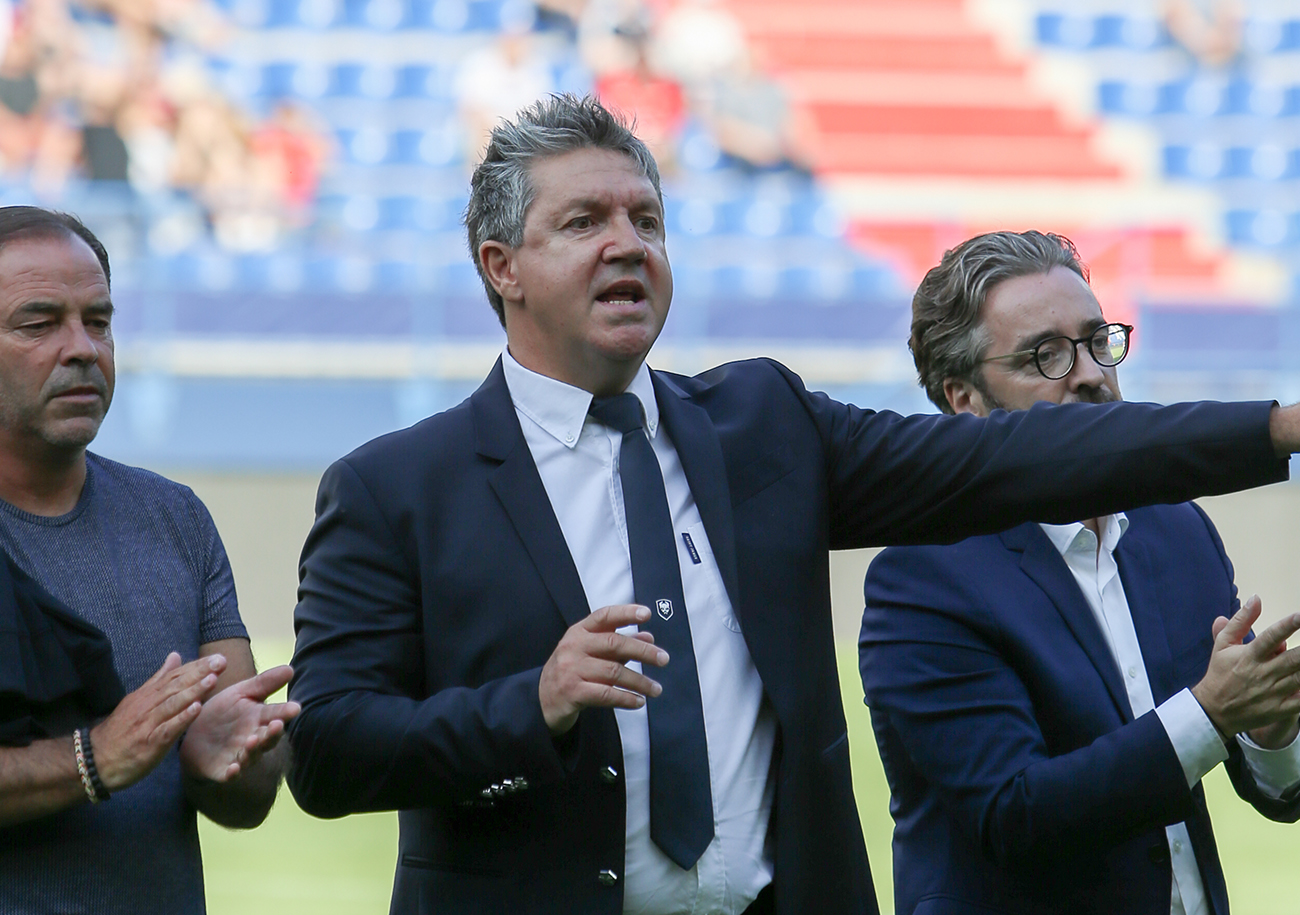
(602, 30)
(754, 120)
(144, 27)
(290, 150)
(147, 124)
(498, 80)
(562, 15)
(104, 91)
(6, 24)
(696, 41)
(654, 101)
(19, 92)
(38, 73)
(213, 160)
(1209, 29)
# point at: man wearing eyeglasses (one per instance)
(1041, 697)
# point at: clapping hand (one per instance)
(1253, 687)
(237, 726)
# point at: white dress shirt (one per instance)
(1194, 738)
(578, 460)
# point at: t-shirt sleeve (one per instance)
(219, 609)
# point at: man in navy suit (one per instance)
(1041, 697)
(471, 648)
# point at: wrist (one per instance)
(1218, 728)
(1277, 736)
(84, 754)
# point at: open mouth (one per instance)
(624, 292)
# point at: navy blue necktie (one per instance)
(681, 797)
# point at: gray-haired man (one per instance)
(1041, 696)
(465, 644)
(136, 556)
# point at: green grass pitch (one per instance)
(297, 865)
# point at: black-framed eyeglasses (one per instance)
(1054, 357)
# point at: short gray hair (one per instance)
(948, 340)
(36, 222)
(501, 190)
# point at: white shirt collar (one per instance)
(560, 408)
(1074, 536)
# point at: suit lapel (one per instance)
(700, 452)
(1045, 566)
(518, 485)
(1144, 606)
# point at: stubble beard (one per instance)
(47, 423)
(1085, 395)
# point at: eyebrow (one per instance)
(649, 202)
(1087, 329)
(53, 308)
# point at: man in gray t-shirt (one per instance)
(138, 557)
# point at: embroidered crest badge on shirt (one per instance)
(665, 608)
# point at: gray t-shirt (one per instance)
(140, 558)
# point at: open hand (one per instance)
(1252, 687)
(236, 726)
(587, 667)
(131, 741)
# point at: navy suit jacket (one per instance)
(1020, 780)
(436, 582)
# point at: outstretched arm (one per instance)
(42, 778)
(1284, 428)
(232, 754)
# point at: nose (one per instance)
(624, 242)
(79, 347)
(1085, 373)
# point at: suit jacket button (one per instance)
(607, 878)
(609, 775)
(1159, 853)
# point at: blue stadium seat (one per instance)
(321, 14)
(1262, 228)
(377, 82)
(1203, 97)
(765, 217)
(1198, 162)
(1272, 162)
(1061, 30)
(416, 81)
(450, 16)
(311, 81)
(365, 145)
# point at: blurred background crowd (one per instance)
(280, 184)
(141, 94)
(120, 92)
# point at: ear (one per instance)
(498, 262)
(964, 397)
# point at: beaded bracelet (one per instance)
(90, 780)
(95, 780)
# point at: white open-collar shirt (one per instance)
(578, 461)
(1190, 730)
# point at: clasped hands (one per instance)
(224, 733)
(1253, 688)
